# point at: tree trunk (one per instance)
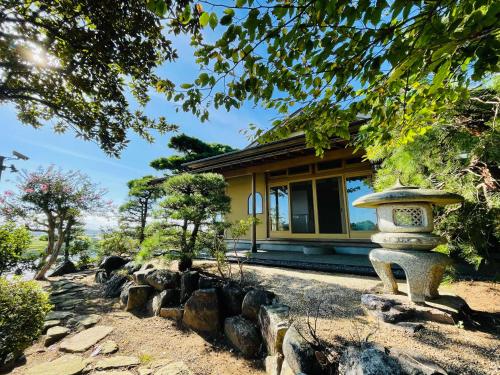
(51, 257)
(67, 239)
(144, 216)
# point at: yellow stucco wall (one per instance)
(239, 189)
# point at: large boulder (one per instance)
(113, 286)
(101, 276)
(140, 276)
(274, 323)
(174, 313)
(298, 353)
(132, 267)
(201, 312)
(273, 364)
(112, 263)
(253, 300)
(124, 292)
(189, 283)
(232, 298)
(162, 299)
(367, 360)
(243, 335)
(207, 282)
(167, 298)
(138, 296)
(64, 268)
(163, 279)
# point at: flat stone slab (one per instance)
(116, 362)
(108, 347)
(66, 365)
(50, 323)
(54, 334)
(175, 368)
(86, 339)
(59, 315)
(395, 308)
(85, 321)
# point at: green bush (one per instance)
(116, 242)
(13, 242)
(23, 306)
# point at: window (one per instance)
(330, 213)
(258, 204)
(361, 219)
(301, 169)
(278, 208)
(302, 207)
(329, 164)
(279, 172)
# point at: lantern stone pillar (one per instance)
(405, 222)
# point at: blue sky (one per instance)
(44, 147)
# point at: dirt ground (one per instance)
(341, 319)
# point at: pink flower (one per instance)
(2, 200)
(8, 193)
(109, 203)
(44, 187)
(29, 190)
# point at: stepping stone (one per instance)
(58, 315)
(66, 365)
(49, 324)
(54, 334)
(86, 339)
(109, 347)
(117, 361)
(175, 368)
(85, 321)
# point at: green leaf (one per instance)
(226, 20)
(213, 21)
(240, 3)
(204, 19)
(440, 76)
(229, 11)
(186, 86)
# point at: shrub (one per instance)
(13, 242)
(23, 306)
(116, 242)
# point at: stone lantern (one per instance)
(405, 222)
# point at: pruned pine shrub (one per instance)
(23, 307)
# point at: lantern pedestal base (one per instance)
(424, 271)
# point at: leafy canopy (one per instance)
(79, 62)
(49, 200)
(136, 210)
(400, 62)
(460, 155)
(191, 205)
(191, 149)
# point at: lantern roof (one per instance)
(400, 193)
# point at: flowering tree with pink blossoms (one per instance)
(49, 200)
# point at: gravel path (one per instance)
(342, 319)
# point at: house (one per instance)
(303, 202)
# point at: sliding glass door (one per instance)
(321, 207)
(302, 205)
(330, 211)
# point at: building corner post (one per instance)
(254, 214)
